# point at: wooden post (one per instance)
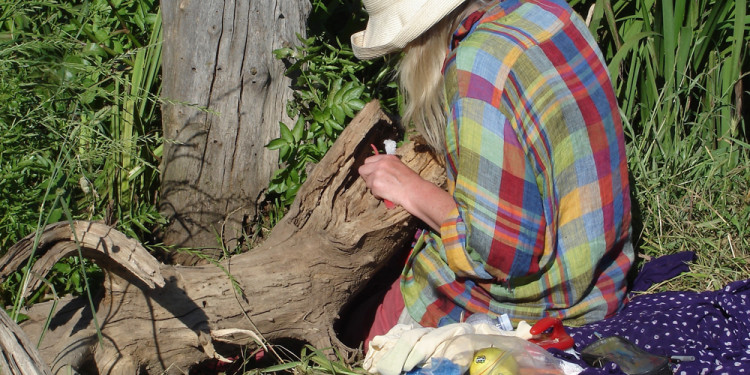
(225, 94)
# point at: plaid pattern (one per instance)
(536, 163)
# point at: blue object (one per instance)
(438, 366)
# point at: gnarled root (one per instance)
(110, 248)
(157, 318)
(18, 354)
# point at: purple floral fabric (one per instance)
(713, 327)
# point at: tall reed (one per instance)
(79, 120)
(678, 69)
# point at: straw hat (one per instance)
(395, 23)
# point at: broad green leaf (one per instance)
(327, 127)
(276, 144)
(338, 113)
(336, 126)
(354, 92)
(284, 152)
(356, 104)
(299, 129)
(347, 110)
(286, 134)
(62, 267)
(321, 116)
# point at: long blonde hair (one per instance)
(421, 78)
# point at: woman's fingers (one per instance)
(388, 178)
(377, 158)
(384, 175)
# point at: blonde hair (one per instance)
(421, 78)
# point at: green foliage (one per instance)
(79, 120)
(678, 69)
(66, 277)
(330, 87)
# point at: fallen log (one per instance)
(18, 355)
(159, 318)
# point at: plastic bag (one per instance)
(477, 354)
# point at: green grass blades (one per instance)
(677, 67)
(688, 60)
(79, 119)
(314, 361)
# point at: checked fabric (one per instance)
(536, 163)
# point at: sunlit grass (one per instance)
(79, 119)
(678, 69)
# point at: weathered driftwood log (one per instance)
(18, 355)
(158, 318)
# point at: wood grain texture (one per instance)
(225, 94)
(18, 355)
(295, 285)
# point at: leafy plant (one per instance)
(66, 277)
(79, 120)
(330, 87)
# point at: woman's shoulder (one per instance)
(520, 23)
(509, 29)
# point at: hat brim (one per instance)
(427, 16)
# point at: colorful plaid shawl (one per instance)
(536, 163)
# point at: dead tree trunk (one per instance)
(225, 95)
(18, 355)
(158, 317)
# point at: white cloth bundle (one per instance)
(405, 347)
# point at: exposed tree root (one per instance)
(160, 318)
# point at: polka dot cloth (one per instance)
(714, 327)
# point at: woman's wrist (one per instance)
(428, 202)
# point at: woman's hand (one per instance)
(389, 178)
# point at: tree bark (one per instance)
(19, 355)
(162, 318)
(225, 95)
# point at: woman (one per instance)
(536, 220)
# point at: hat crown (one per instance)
(396, 8)
(378, 6)
(395, 23)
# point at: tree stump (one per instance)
(225, 94)
(19, 354)
(161, 318)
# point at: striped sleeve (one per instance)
(498, 230)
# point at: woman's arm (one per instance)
(388, 178)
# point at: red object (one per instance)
(386, 313)
(558, 338)
(388, 204)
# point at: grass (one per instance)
(79, 119)
(80, 123)
(678, 69)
